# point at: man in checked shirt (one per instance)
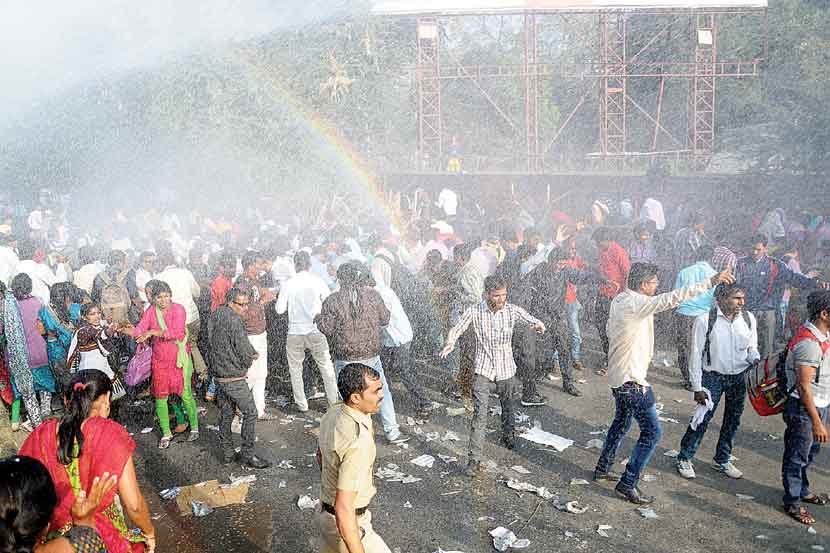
(493, 320)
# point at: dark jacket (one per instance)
(231, 353)
(766, 280)
(355, 338)
(542, 291)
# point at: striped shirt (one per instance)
(494, 337)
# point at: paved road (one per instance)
(450, 512)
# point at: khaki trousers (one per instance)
(332, 543)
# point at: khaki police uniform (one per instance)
(347, 445)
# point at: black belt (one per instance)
(330, 509)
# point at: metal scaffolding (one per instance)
(617, 62)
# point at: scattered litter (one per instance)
(282, 484)
(213, 427)
(495, 410)
(525, 487)
(452, 493)
(572, 507)
(417, 431)
(733, 458)
(678, 401)
(139, 402)
(602, 530)
(539, 436)
(390, 473)
(811, 530)
(285, 464)
(579, 482)
(744, 496)
(424, 461)
(210, 493)
(647, 512)
(447, 458)
(772, 436)
(238, 480)
(582, 381)
(520, 469)
(306, 502)
(147, 430)
(553, 377)
(410, 421)
(449, 435)
(659, 407)
(407, 505)
(594, 444)
(442, 551)
(170, 493)
(504, 539)
(668, 419)
(200, 509)
(761, 537)
(485, 518)
(597, 433)
(456, 411)
(521, 418)
(490, 466)
(649, 478)
(431, 436)
(569, 534)
(672, 453)
(817, 547)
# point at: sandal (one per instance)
(164, 443)
(800, 514)
(180, 428)
(816, 499)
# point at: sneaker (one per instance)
(533, 400)
(685, 469)
(194, 435)
(728, 469)
(316, 394)
(397, 437)
(609, 476)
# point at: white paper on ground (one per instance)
(525, 487)
(539, 436)
(672, 453)
(520, 469)
(306, 502)
(594, 444)
(449, 435)
(425, 461)
(602, 530)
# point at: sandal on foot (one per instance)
(180, 428)
(816, 499)
(164, 443)
(800, 514)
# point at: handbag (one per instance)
(140, 366)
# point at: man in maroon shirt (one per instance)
(613, 266)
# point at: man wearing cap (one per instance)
(346, 454)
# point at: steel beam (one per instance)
(531, 59)
(703, 90)
(430, 131)
(613, 84)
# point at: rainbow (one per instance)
(345, 154)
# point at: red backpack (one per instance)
(767, 387)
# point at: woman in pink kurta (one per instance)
(163, 324)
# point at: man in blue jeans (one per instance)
(724, 343)
(805, 413)
(631, 347)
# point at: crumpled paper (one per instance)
(306, 502)
(541, 491)
(504, 539)
(539, 436)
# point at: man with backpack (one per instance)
(114, 289)
(805, 412)
(724, 344)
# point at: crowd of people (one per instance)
(202, 309)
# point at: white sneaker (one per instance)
(686, 470)
(728, 469)
(316, 394)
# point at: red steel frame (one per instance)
(612, 72)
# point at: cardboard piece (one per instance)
(211, 493)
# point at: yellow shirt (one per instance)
(347, 445)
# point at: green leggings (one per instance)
(189, 405)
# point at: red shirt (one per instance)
(218, 290)
(570, 291)
(614, 266)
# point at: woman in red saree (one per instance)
(83, 445)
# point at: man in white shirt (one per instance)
(33, 265)
(185, 290)
(8, 259)
(91, 267)
(448, 202)
(395, 352)
(631, 348)
(302, 296)
(724, 343)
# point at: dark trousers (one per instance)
(799, 450)
(533, 352)
(733, 386)
(398, 361)
(507, 391)
(466, 371)
(632, 402)
(683, 336)
(602, 308)
(231, 396)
